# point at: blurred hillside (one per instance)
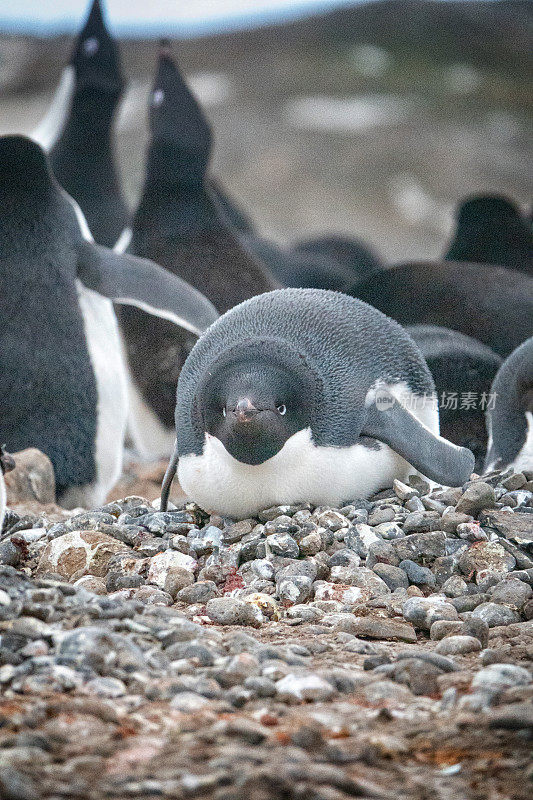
(372, 120)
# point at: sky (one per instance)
(129, 16)
(156, 17)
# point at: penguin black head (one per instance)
(181, 136)
(23, 165)
(491, 229)
(95, 56)
(254, 403)
(487, 209)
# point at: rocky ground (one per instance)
(379, 650)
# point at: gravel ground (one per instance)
(378, 650)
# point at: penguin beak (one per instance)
(245, 410)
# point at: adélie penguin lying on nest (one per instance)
(63, 382)
(305, 395)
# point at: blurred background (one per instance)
(367, 118)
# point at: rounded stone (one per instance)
(230, 611)
(476, 497)
(494, 614)
(297, 688)
(424, 611)
(199, 592)
(394, 577)
(445, 627)
(91, 584)
(177, 578)
(458, 645)
(88, 551)
(420, 576)
(511, 592)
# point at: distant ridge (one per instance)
(495, 34)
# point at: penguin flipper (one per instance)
(435, 457)
(139, 282)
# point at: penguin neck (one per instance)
(176, 208)
(177, 224)
(83, 158)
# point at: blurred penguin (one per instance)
(463, 370)
(491, 304)
(179, 225)
(78, 129)
(510, 414)
(490, 229)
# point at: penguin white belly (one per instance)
(103, 344)
(149, 436)
(524, 459)
(300, 472)
(2, 500)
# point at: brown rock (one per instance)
(86, 552)
(376, 628)
(32, 479)
(514, 525)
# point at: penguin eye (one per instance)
(224, 411)
(90, 46)
(282, 410)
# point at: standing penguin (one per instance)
(78, 129)
(492, 230)
(62, 376)
(463, 370)
(305, 395)
(178, 225)
(7, 463)
(510, 413)
(491, 304)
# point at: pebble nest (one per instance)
(379, 650)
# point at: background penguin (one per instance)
(464, 369)
(510, 415)
(7, 463)
(300, 269)
(62, 376)
(78, 129)
(231, 211)
(492, 230)
(301, 395)
(491, 304)
(346, 251)
(178, 224)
